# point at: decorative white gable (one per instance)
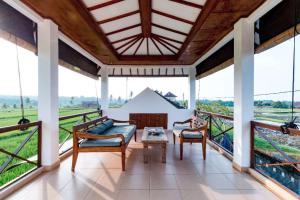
(148, 101)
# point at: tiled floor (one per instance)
(99, 176)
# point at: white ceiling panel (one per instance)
(176, 9)
(116, 9)
(143, 48)
(152, 49)
(171, 23)
(121, 23)
(90, 3)
(124, 34)
(199, 2)
(169, 34)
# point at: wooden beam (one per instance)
(173, 17)
(187, 3)
(145, 12)
(126, 43)
(167, 38)
(122, 29)
(147, 45)
(135, 41)
(161, 53)
(137, 48)
(168, 43)
(126, 38)
(118, 17)
(165, 46)
(101, 5)
(169, 29)
(208, 7)
(113, 71)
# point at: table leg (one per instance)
(145, 153)
(163, 152)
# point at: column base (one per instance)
(239, 168)
(51, 167)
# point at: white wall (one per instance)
(149, 102)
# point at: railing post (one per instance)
(210, 116)
(252, 137)
(84, 118)
(39, 160)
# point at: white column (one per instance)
(48, 90)
(104, 87)
(243, 91)
(192, 88)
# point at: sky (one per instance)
(273, 73)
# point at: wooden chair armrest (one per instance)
(183, 122)
(100, 137)
(124, 121)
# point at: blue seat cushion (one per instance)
(189, 135)
(101, 128)
(126, 130)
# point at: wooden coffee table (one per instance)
(150, 139)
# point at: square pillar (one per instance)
(104, 87)
(192, 88)
(243, 91)
(48, 92)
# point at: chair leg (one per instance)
(135, 136)
(174, 138)
(123, 159)
(181, 150)
(204, 150)
(74, 159)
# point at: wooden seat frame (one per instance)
(80, 133)
(202, 129)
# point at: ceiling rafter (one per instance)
(129, 46)
(145, 13)
(123, 29)
(126, 43)
(118, 17)
(168, 43)
(156, 46)
(169, 29)
(126, 38)
(208, 7)
(101, 5)
(147, 39)
(166, 46)
(137, 48)
(167, 38)
(187, 3)
(173, 17)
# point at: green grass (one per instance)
(11, 140)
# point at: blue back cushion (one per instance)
(109, 123)
(101, 128)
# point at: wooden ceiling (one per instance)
(145, 32)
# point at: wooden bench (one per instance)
(102, 135)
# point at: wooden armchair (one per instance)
(185, 133)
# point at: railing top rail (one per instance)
(274, 127)
(216, 115)
(78, 115)
(18, 127)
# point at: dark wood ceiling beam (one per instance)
(123, 29)
(187, 3)
(161, 53)
(169, 29)
(118, 17)
(145, 13)
(167, 38)
(126, 38)
(129, 46)
(137, 48)
(147, 39)
(166, 46)
(168, 43)
(126, 43)
(173, 17)
(101, 5)
(207, 9)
